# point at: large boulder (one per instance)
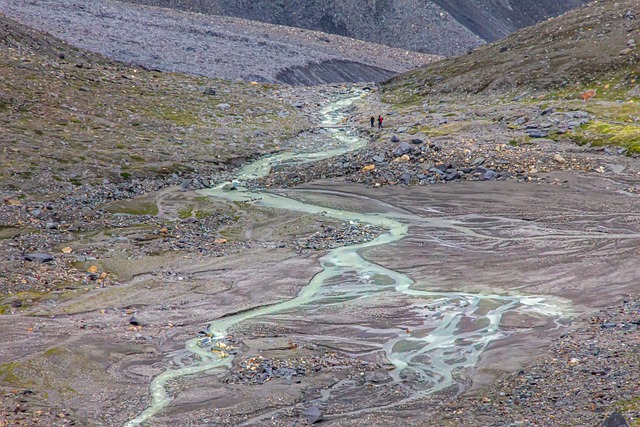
(490, 175)
(402, 149)
(614, 420)
(313, 415)
(39, 258)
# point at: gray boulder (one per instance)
(490, 175)
(313, 415)
(617, 169)
(39, 258)
(452, 176)
(402, 149)
(537, 133)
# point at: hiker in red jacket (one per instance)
(379, 122)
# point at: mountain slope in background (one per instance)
(222, 47)
(441, 27)
(585, 62)
(595, 43)
(496, 19)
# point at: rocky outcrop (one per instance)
(332, 71)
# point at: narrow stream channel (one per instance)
(433, 359)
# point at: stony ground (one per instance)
(590, 371)
(490, 139)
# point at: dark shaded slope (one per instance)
(26, 40)
(580, 46)
(334, 71)
(495, 19)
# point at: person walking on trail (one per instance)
(379, 122)
(373, 120)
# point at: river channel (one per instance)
(432, 359)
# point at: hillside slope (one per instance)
(223, 47)
(71, 118)
(577, 49)
(442, 27)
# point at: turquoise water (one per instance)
(433, 358)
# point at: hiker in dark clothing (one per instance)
(373, 120)
(379, 122)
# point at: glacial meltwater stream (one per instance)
(433, 358)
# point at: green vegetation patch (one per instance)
(55, 351)
(8, 232)
(179, 117)
(26, 299)
(10, 374)
(185, 212)
(190, 210)
(600, 133)
(452, 128)
(627, 112)
(627, 406)
(133, 207)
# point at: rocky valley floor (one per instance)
(132, 276)
(511, 289)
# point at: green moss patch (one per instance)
(10, 375)
(134, 207)
(178, 117)
(600, 133)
